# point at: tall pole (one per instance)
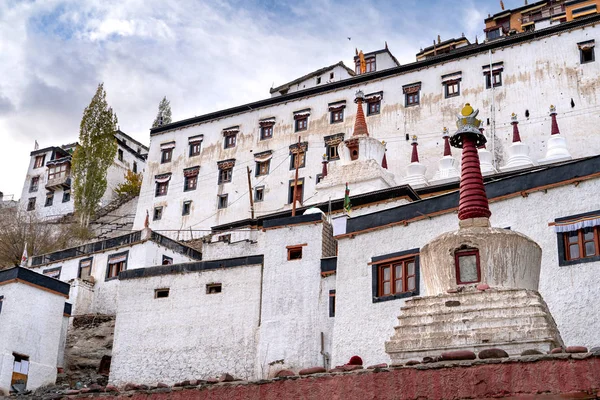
(250, 193)
(493, 111)
(297, 159)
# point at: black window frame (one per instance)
(291, 190)
(66, 196)
(582, 53)
(186, 183)
(332, 303)
(225, 175)
(258, 189)
(157, 191)
(293, 158)
(166, 155)
(378, 261)
(222, 201)
(487, 78)
(59, 269)
(446, 87)
(34, 188)
(168, 259)
(258, 169)
(49, 200)
(120, 154)
(412, 99)
(31, 204)
(186, 208)
(230, 141)
(192, 147)
(333, 114)
(157, 213)
(79, 267)
(373, 103)
(266, 128)
(297, 124)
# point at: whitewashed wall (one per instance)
(31, 322)
(292, 300)
(536, 74)
(339, 73)
(184, 336)
(104, 297)
(362, 327)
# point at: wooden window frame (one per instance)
(293, 160)
(266, 132)
(166, 155)
(447, 86)
(291, 190)
(190, 183)
(370, 110)
(581, 244)
(403, 263)
(390, 260)
(337, 116)
(230, 141)
(195, 149)
(57, 171)
(80, 268)
(467, 252)
(295, 249)
(412, 99)
(39, 161)
(162, 188)
(332, 153)
(225, 175)
(263, 168)
(119, 267)
(497, 73)
(301, 124)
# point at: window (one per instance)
(411, 94)
(295, 252)
(493, 34)
(167, 260)
(1, 300)
(301, 123)
(20, 369)
(373, 107)
(161, 293)
(135, 167)
(301, 157)
(369, 63)
(299, 194)
(266, 132)
(57, 171)
(496, 76)
(230, 140)
(49, 199)
(582, 243)
(33, 186)
(31, 204)
(161, 188)
(451, 88)
(262, 167)
(166, 155)
(332, 153)
(157, 215)
(39, 161)
(467, 266)
(85, 269)
(214, 288)
(225, 175)
(259, 194)
(332, 303)
(116, 263)
(120, 154)
(412, 99)
(586, 52)
(222, 201)
(331, 75)
(190, 183)
(395, 276)
(66, 196)
(318, 80)
(224, 238)
(337, 116)
(319, 178)
(195, 148)
(53, 272)
(187, 208)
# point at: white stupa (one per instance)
(448, 165)
(557, 145)
(486, 159)
(518, 152)
(415, 171)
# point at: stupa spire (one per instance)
(515, 124)
(446, 137)
(473, 201)
(415, 153)
(360, 124)
(554, 130)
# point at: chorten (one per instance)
(486, 159)
(415, 171)
(481, 282)
(359, 164)
(448, 165)
(557, 145)
(518, 152)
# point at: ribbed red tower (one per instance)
(555, 130)
(446, 136)
(324, 171)
(515, 124)
(414, 157)
(360, 124)
(473, 201)
(384, 160)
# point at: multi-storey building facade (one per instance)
(47, 188)
(197, 174)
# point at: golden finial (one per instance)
(467, 110)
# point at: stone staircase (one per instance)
(513, 319)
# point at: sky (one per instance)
(203, 55)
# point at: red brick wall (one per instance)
(577, 378)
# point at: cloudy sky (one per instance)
(203, 55)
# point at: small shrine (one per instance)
(415, 171)
(557, 144)
(448, 165)
(518, 152)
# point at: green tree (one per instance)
(131, 186)
(94, 155)
(164, 111)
